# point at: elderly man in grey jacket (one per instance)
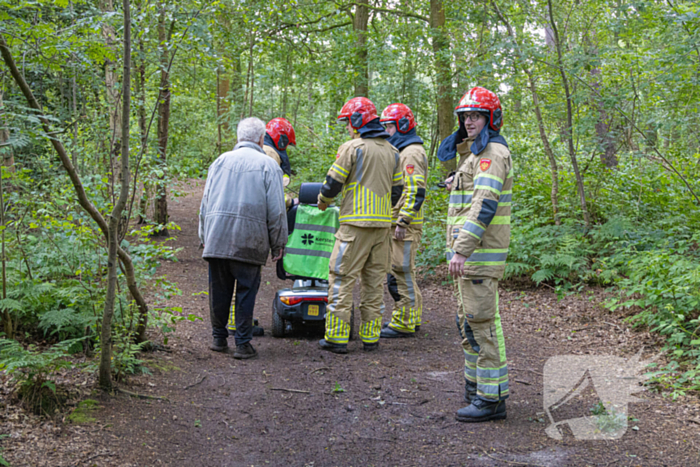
(242, 218)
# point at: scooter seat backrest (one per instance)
(308, 193)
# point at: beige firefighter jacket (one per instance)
(408, 212)
(368, 168)
(478, 217)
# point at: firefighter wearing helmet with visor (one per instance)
(478, 237)
(407, 222)
(367, 172)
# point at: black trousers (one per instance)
(223, 275)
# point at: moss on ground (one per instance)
(81, 414)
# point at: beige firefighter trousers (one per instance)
(479, 322)
(364, 253)
(407, 313)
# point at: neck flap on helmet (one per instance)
(373, 129)
(401, 140)
(448, 148)
(286, 166)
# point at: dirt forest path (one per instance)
(397, 406)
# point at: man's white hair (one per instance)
(251, 130)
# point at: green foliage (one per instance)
(31, 368)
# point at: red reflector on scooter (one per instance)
(292, 300)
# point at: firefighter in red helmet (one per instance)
(478, 237)
(407, 222)
(367, 170)
(279, 136)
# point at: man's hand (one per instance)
(321, 205)
(456, 268)
(400, 233)
(279, 255)
(448, 183)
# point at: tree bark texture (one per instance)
(8, 155)
(569, 133)
(160, 216)
(443, 74)
(6, 315)
(360, 27)
(109, 35)
(83, 200)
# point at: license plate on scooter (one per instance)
(312, 310)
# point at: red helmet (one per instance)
(359, 110)
(281, 132)
(400, 115)
(482, 100)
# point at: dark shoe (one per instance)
(482, 411)
(393, 333)
(385, 325)
(417, 328)
(219, 344)
(469, 393)
(258, 331)
(245, 351)
(331, 347)
(370, 347)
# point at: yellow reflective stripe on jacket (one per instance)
(340, 170)
(367, 205)
(488, 182)
(456, 220)
(488, 256)
(410, 190)
(500, 220)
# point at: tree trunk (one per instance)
(569, 118)
(219, 109)
(608, 155)
(8, 155)
(443, 74)
(252, 84)
(110, 36)
(105, 370)
(360, 27)
(141, 112)
(160, 216)
(6, 315)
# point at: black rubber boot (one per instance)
(391, 333)
(417, 328)
(245, 351)
(331, 347)
(370, 347)
(219, 344)
(258, 331)
(482, 411)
